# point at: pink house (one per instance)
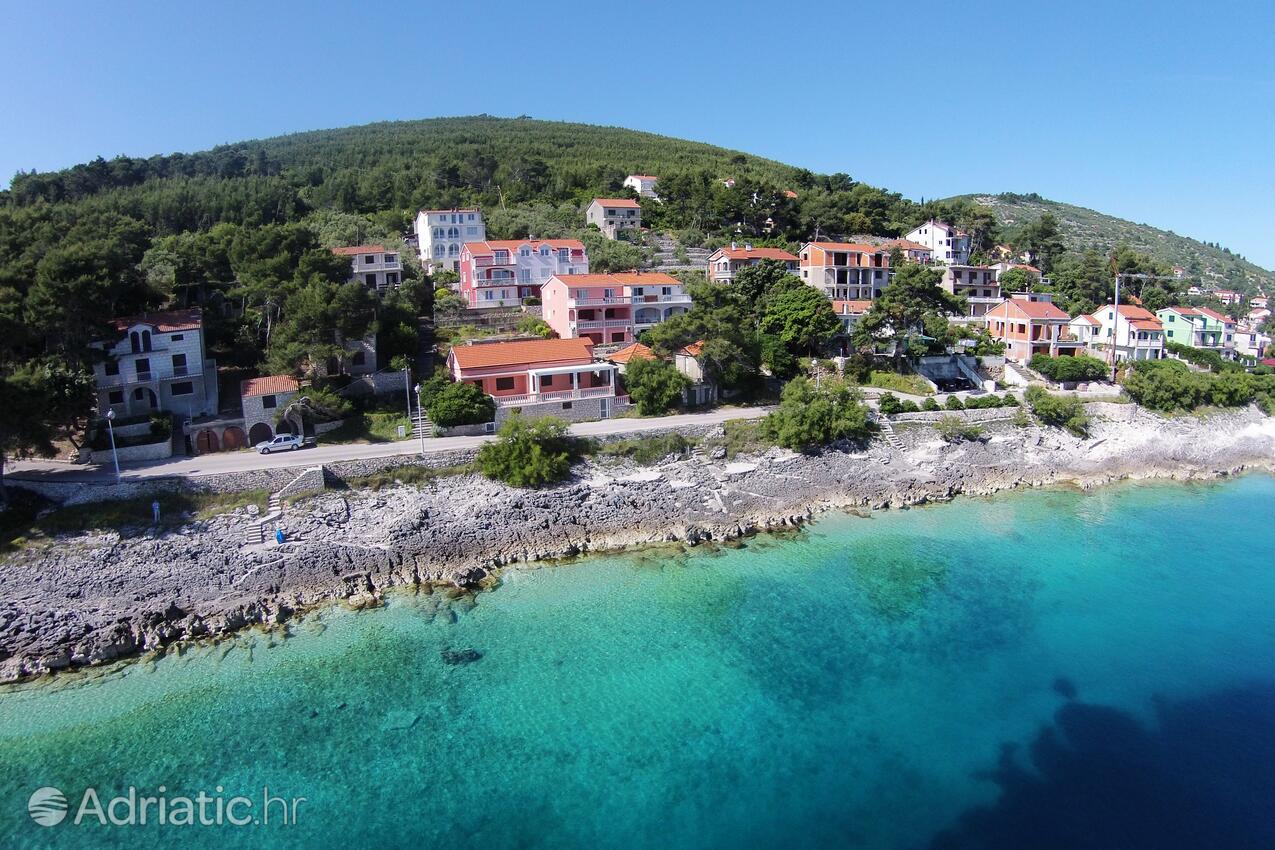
(549, 377)
(611, 308)
(500, 273)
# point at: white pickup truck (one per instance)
(281, 443)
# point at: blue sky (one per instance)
(1162, 113)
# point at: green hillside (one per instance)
(1084, 228)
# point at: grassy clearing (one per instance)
(25, 523)
(374, 427)
(910, 384)
(742, 437)
(646, 451)
(407, 474)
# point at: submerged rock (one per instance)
(460, 656)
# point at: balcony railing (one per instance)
(602, 301)
(153, 375)
(564, 395)
(603, 324)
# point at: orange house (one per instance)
(1031, 325)
(557, 377)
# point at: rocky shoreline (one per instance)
(92, 599)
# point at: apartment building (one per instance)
(724, 263)
(979, 285)
(157, 362)
(500, 273)
(612, 215)
(1199, 327)
(441, 234)
(946, 243)
(611, 308)
(912, 251)
(845, 271)
(643, 184)
(1134, 333)
(374, 266)
(1029, 323)
(549, 377)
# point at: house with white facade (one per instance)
(845, 271)
(643, 184)
(912, 251)
(1250, 341)
(611, 308)
(157, 362)
(725, 262)
(1132, 332)
(979, 285)
(440, 235)
(501, 273)
(946, 243)
(374, 266)
(612, 215)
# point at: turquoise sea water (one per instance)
(1042, 669)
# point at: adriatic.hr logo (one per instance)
(47, 806)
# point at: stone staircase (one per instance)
(887, 432)
(665, 257)
(421, 425)
(260, 527)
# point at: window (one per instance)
(179, 364)
(143, 367)
(269, 402)
(504, 383)
(183, 388)
(525, 252)
(177, 337)
(359, 358)
(566, 405)
(112, 367)
(369, 259)
(546, 381)
(116, 397)
(391, 259)
(391, 277)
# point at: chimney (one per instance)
(748, 246)
(732, 244)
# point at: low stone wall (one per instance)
(130, 454)
(312, 480)
(987, 414)
(325, 427)
(467, 430)
(378, 383)
(581, 410)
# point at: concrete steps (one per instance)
(421, 425)
(887, 432)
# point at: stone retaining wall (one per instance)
(987, 414)
(129, 454)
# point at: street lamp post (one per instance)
(110, 429)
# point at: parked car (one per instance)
(283, 442)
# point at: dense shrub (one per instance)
(954, 403)
(1169, 385)
(930, 404)
(457, 404)
(1203, 357)
(889, 404)
(954, 430)
(649, 449)
(529, 453)
(535, 326)
(908, 406)
(1058, 411)
(810, 416)
(1069, 368)
(655, 386)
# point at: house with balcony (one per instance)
(157, 362)
(979, 286)
(543, 377)
(848, 313)
(643, 184)
(946, 243)
(1250, 341)
(1128, 333)
(612, 215)
(441, 234)
(374, 266)
(913, 252)
(501, 273)
(845, 271)
(611, 308)
(1199, 327)
(724, 263)
(1029, 323)
(1229, 297)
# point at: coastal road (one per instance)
(243, 461)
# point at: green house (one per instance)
(1198, 327)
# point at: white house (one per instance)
(946, 243)
(157, 363)
(1251, 342)
(1134, 332)
(374, 266)
(500, 273)
(643, 184)
(611, 215)
(726, 261)
(440, 235)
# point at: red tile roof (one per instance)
(789, 193)
(618, 202)
(907, 245)
(355, 250)
(694, 349)
(164, 321)
(758, 254)
(620, 279)
(636, 351)
(268, 385)
(645, 176)
(541, 351)
(847, 246)
(1032, 309)
(851, 308)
